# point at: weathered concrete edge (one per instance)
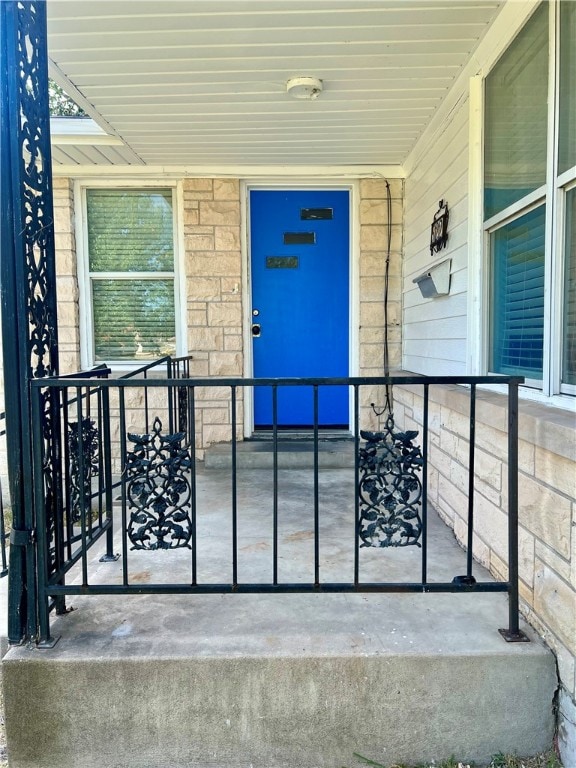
(285, 712)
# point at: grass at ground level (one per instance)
(544, 760)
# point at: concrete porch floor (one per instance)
(286, 681)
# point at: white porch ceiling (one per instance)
(203, 82)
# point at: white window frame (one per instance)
(552, 194)
(81, 186)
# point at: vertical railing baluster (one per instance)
(43, 555)
(146, 405)
(82, 495)
(471, 477)
(425, 486)
(514, 633)
(234, 491)
(123, 452)
(356, 485)
(108, 482)
(316, 495)
(275, 483)
(100, 458)
(67, 476)
(192, 443)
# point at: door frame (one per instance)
(320, 184)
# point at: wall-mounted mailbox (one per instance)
(436, 281)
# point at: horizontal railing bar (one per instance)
(292, 382)
(224, 589)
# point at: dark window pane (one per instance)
(517, 275)
(133, 319)
(516, 118)
(567, 111)
(569, 319)
(130, 230)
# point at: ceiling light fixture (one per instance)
(304, 87)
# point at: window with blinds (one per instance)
(517, 273)
(516, 118)
(569, 314)
(131, 271)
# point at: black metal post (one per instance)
(513, 634)
(28, 283)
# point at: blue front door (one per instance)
(300, 245)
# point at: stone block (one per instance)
(225, 313)
(197, 185)
(196, 317)
(203, 289)
(374, 211)
(64, 241)
(206, 339)
(372, 288)
(372, 314)
(63, 219)
(216, 416)
(67, 314)
(491, 524)
(448, 493)
(197, 242)
(374, 263)
(233, 342)
(231, 287)
(215, 433)
(225, 364)
(545, 513)
(555, 602)
(212, 393)
(220, 212)
(191, 217)
(555, 471)
(375, 238)
(227, 238)
(214, 265)
(190, 197)
(226, 189)
(376, 188)
(553, 559)
(371, 356)
(489, 469)
(60, 183)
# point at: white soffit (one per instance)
(202, 82)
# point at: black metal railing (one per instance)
(132, 444)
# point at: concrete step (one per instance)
(292, 454)
(289, 681)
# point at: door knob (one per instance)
(256, 330)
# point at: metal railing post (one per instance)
(513, 634)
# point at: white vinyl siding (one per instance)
(434, 331)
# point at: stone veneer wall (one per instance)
(212, 222)
(213, 274)
(373, 245)
(547, 507)
(67, 272)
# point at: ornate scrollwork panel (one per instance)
(81, 481)
(159, 491)
(389, 488)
